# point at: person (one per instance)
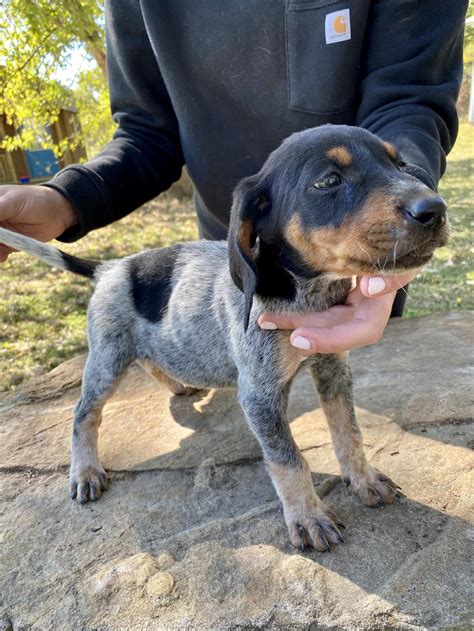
(217, 86)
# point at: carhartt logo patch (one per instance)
(338, 26)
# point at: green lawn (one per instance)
(42, 310)
(448, 282)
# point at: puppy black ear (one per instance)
(249, 206)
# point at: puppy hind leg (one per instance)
(309, 521)
(101, 376)
(333, 379)
(175, 386)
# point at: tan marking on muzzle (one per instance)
(377, 221)
(322, 249)
(365, 236)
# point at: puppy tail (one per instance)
(48, 253)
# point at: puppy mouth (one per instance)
(393, 262)
(394, 249)
(408, 261)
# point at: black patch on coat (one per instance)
(150, 273)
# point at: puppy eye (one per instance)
(328, 182)
(401, 166)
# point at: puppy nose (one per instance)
(430, 212)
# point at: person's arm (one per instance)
(411, 80)
(145, 157)
(407, 97)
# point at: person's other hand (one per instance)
(360, 322)
(37, 211)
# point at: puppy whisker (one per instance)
(395, 252)
(365, 252)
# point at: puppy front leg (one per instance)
(310, 522)
(333, 379)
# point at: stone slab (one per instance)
(190, 534)
(406, 379)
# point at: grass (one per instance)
(448, 282)
(43, 310)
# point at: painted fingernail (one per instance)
(376, 285)
(271, 326)
(301, 342)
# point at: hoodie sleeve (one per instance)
(412, 79)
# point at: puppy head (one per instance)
(334, 199)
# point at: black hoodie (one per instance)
(218, 84)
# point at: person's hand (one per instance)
(360, 322)
(37, 211)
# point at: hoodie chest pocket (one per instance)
(324, 42)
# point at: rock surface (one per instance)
(190, 534)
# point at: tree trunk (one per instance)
(96, 49)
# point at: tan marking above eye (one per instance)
(390, 149)
(341, 155)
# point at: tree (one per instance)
(36, 41)
(91, 97)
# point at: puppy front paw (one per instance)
(87, 483)
(313, 525)
(373, 487)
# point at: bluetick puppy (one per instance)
(329, 203)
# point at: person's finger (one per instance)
(330, 317)
(355, 296)
(366, 328)
(382, 285)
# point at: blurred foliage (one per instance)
(37, 38)
(464, 95)
(469, 37)
(91, 96)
